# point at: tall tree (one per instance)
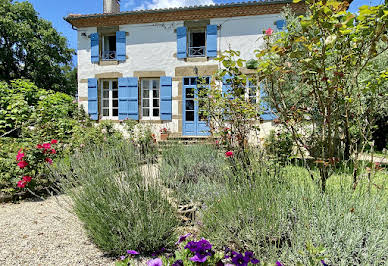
(31, 48)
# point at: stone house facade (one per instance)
(144, 65)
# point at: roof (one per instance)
(179, 13)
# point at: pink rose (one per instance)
(22, 164)
(27, 178)
(229, 154)
(269, 32)
(21, 183)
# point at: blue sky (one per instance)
(55, 10)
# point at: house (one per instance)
(144, 65)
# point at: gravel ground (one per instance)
(45, 233)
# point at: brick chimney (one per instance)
(111, 6)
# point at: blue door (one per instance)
(194, 122)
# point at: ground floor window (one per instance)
(109, 99)
(150, 102)
(252, 92)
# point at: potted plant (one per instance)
(164, 134)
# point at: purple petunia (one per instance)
(199, 257)
(182, 238)
(323, 263)
(132, 252)
(201, 250)
(178, 263)
(278, 263)
(122, 257)
(155, 262)
(240, 260)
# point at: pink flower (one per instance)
(46, 146)
(229, 154)
(39, 146)
(20, 155)
(269, 32)
(54, 141)
(22, 164)
(53, 151)
(217, 142)
(49, 160)
(27, 178)
(21, 183)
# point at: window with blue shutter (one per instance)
(121, 46)
(280, 24)
(94, 48)
(92, 99)
(211, 40)
(268, 113)
(227, 86)
(128, 98)
(165, 98)
(181, 41)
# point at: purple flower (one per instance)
(182, 238)
(132, 252)
(278, 263)
(178, 263)
(122, 257)
(240, 260)
(255, 261)
(323, 263)
(155, 262)
(199, 258)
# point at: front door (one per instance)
(194, 123)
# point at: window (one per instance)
(109, 47)
(150, 103)
(110, 99)
(197, 42)
(252, 91)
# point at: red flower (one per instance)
(22, 164)
(49, 160)
(229, 154)
(21, 183)
(46, 146)
(269, 32)
(20, 155)
(53, 151)
(27, 178)
(39, 146)
(54, 141)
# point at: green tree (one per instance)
(315, 78)
(31, 48)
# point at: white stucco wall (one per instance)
(152, 47)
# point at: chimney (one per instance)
(111, 6)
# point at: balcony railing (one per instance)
(108, 55)
(197, 51)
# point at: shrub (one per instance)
(193, 172)
(119, 202)
(279, 144)
(282, 215)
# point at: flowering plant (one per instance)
(164, 130)
(32, 162)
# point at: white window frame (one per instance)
(247, 91)
(150, 98)
(103, 50)
(110, 99)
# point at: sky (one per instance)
(56, 10)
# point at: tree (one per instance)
(31, 48)
(313, 74)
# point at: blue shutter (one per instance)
(128, 99)
(280, 24)
(165, 98)
(268, 113)
(92, 99)
(94, 48)
(211, 40)
(227, 85)
(181, 41)
(121, 46)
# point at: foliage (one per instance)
(283, 215)
(118, 201)
(312, 74)
(279, 144)
(192, 172)
(31, 48)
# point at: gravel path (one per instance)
(44, 233)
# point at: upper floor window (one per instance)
(197, 42)
(150, 102)
(110, 99)
(108, 47)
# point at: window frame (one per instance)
(110, 99)
(150, 98)
(189, 33)
(247, 95)
(102, 56)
